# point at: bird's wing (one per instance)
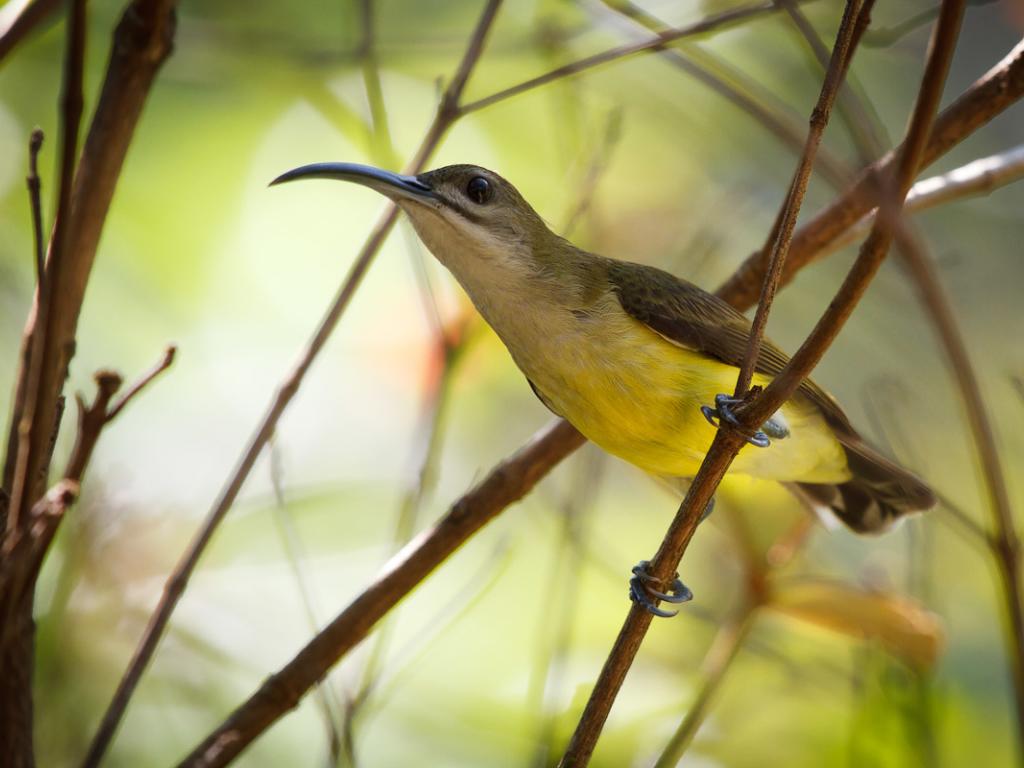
(695, 319)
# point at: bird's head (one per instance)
(474, 221)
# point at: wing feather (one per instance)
(700, 321)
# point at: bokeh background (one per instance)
(891, 651)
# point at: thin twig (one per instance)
(852, 108)
(776, 121)
(18, 19)
(37, 394)
(37, 419)
(798, 187)
(17, 573)
(875, 248)
(978, 177)
(91, 420)
(178, 580)
(35, 143)
(295, 554)
(505, 484)
(713, 23)
(143, 381)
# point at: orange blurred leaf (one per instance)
(902, 625)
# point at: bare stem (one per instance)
(18, 19)
(34, 145)
(876, 246)
(710, 24)
(837, 66)
(701, 66)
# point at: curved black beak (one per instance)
(393, 185)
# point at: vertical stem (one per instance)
(720, 657)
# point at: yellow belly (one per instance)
(638, 396)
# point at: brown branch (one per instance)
(24, 551)
(710, 24)
(35, 143)
(854, 20)
(17, 23)
(25, 357)
(93, 418)
(505, 484)
(999, 88)
(33, 424)
(141, 43)
(778, 123)
(978, 177)
(1004, 544)
(447, 114)
(726, 444)
(47, 350)
(143, 381)
(908, 160)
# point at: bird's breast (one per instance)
(638, 395)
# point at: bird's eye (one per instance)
(479, 190)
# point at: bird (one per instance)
(632, 355)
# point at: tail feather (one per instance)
(879, 493)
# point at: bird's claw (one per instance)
(645, 595)
(722, 414)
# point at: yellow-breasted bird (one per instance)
(630, 354)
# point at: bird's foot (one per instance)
(722, 415)
(645, 595)
(708, 509)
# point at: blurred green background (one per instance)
(490, 660)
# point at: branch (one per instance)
(978, 177)
(35, 423)
(908, 160)
(505, 484)
(447, 114)
(93, 418)
(17, 20)
(726, 443)
(35, 143)
(999, 88)
(710, 24)
(775, 121)
(24, 550)
(852, 25)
